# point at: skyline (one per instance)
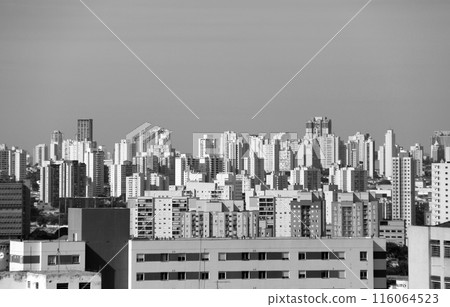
(225, 60)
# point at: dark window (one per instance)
(84, 285)
(325, 256)
(164, 276)
(181, 275)
(204, 275)
(262, 256)
(245, 256)
(363, 274)
(262, 275)
(221, 275)
(301, 256)
(302, 274)
(325, 274)
(245, 274)
(139, 276)
(62, 285)
(363, 256)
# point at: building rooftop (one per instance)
(444, 225)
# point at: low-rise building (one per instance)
(50, 280)
(262, 263)
(429, 256)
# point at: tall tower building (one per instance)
(403, 189)
(72, 179)
(40, 154)
(417, 155)
(318, 126)
(271, 151)
(440, 199)
(439, 142)
(56, 141)
(85, 130)
(122, 152)
(390, 152)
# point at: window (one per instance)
(446, 249)
(164, 276)
(325, 256)
(262, 256)
(301, 256)
(181, 257)
(301, 274)
(164, 257)
(51, 260)
(245, 274)
(222, 256)
(181, 276)
(435, 284)
(363, 256)
(205, 256)
(262, 274)
(37, 285)
(204, 275)
(139, 276)
(62, 286)
(325, 274)
(435, 248)
(285, 274)
(75, 259)
(363, 274)
(84, 285)
(140, 258)
(245, 256)
(29, 284)
(221, 275)
(285, 256)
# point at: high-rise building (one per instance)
(15, 206)
(118, 174)
(56, 141)
(95, 160)
(349, 179)
(318, 126)
(85, 130)
(440, 197)
(390, 152)
(122, 152)
(403, 189)
(356, 215)
(417, 154)
(271, 149)
(19, 166)
(307, 177)
(40, 154)
(286, 160)
(360, 151)
(145, 136)
(135, 186)
(381, 161)
(49, 183)
(72, 179)
(439, 142)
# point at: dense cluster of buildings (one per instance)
(222, 216)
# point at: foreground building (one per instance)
(263, 263)
(15, 206)
(50, 280)
(429, 260)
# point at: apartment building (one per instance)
(263, 263)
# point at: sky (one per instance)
(389, 69)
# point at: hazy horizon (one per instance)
(388, 69)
